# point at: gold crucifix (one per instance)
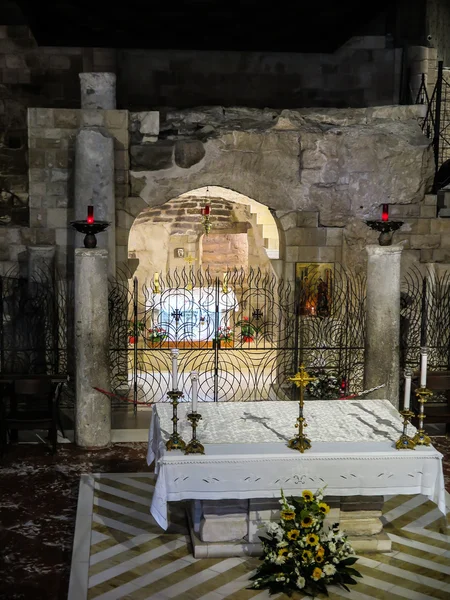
(300, 442)
(301, 380)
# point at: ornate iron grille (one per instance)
(245, 336)
(425, 319)
(36, 325)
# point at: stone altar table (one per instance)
(247, 462)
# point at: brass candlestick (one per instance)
(300, 442)
(194, 446)
(405, 442)
(175, 442)
(421, 438)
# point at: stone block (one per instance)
(291, 254)
(36, 159)
(57, 218)
(404, 210)
(51, 144)
(425, 241)
(40, 117)
(38, 189)
(439, 225)
(288, 221)
(45, 236)
(316, 254)
(223, 530)
(90, 117)
(229, 509)
(428, 212)
(153, 157)
(59, 62)
(430, 199)
(426, 256)
(361, 526)
(441, 256)
(188, 153)
(62, 159)
(121, 138)
(116, 119)
(358, 503)
(422, 226)
(334, 236)
(121, 159)
(66, 118)
(367, 544)
(306, 236)
(148, 122)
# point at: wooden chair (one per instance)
(33, 404)
(437, 381)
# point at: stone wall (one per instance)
(323, 172)
(52, 134)
(364, 72)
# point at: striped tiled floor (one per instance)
(131, 558)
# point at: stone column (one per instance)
(92, 408)
(94, 184)
(381, 358)
(98, 91)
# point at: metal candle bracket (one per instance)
(421, 438)
(90, 229)
(405, 442)
(194, 446)
(300, 442)
(175, 441)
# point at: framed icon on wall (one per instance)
(314, 283)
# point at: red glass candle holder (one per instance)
(385, 213)
(90, 214)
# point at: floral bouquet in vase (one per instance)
(224, 334)
(248, 330)
(299, 555)
(156, 335)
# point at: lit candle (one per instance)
(90, 214)
(385, 213)
(406, 400)
(175, 354)
(207, 209)
(194, 380)
(423, 367)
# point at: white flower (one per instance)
(282, 544)
(280, 560)
(332, 547)
(300, 582)
(272, 527)
(329, 569)
(290, 555)
(335, 560)
(280, 579)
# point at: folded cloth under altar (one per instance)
(246, 455)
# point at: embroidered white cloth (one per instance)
(246, 455)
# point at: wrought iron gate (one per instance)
(36, 325)
(245, 334)
(425, 319)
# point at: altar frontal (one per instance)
(247, 461)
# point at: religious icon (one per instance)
(314, 281)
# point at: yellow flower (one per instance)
(312, 539)
(317, 574)
(307, 522)
(324, 508)
(320, 551)
(287, 515)
(306, 555)
(319, 558)
(282, 551)
(293, 534)
(308, 496)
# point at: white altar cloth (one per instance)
(361, 459)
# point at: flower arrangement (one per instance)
(156, 335)
(224, 334)
(299, 555)
(135, 331)
(248, 330)
(327, 386)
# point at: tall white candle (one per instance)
(194, 380)
(175, 354)
(406, 400)
(423, 367)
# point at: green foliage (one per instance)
(299, 555)
(326, 386)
